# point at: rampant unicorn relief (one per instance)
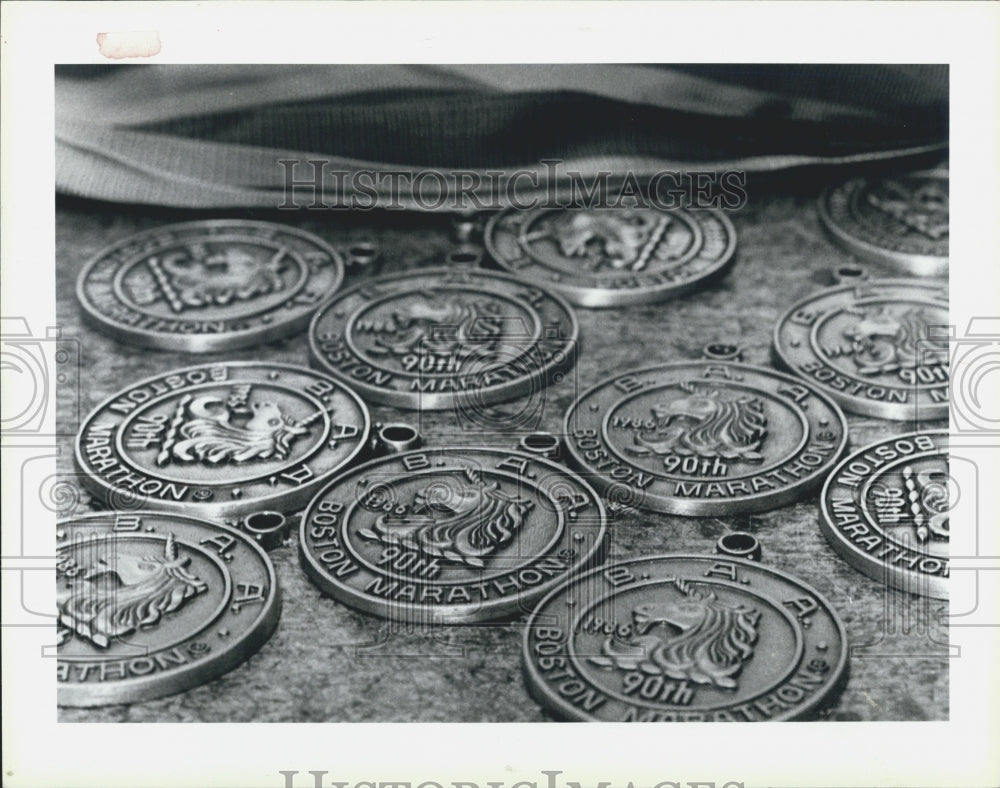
(882, 343)
(703, 424)
(695, 638)
(122, 593)
(195, 278)
(211, 430)
(463, 525)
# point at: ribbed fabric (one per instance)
(212, 136)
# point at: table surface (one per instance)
(326, 662)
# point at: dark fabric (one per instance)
(200, 136)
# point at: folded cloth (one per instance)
(216, 136)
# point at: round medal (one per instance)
(886, 510)
(206, 286)
(450, 535)
(221, 440)
(879, 348)
(900, 220)
(705, 438)
(612, 256)
(151, 604)
(436, 338)
(684, 638)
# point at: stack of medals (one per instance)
(200, 469)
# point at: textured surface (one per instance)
(327, 662)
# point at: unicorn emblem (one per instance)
(211, 430)
(703, 424)
(122, 593)
(460, 525)
(695, 638)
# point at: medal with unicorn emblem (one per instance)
(450, 535)
(444, 337)
(878, 347)
(704, 438)
(206, 286)
(684, 638)
(612, 256)
(900, 220)
(221, 440)
(150, 604)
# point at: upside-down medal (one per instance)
(886, 511)
(221, 440)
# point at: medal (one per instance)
(886, 511)
(899, 220)
(704, 438)
(221, 440)
(150, 604)
(206, 286)
(879, 347)
(450, 535)
(683, 638)
(612, 256)
(432, 339)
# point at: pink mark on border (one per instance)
(135, 43)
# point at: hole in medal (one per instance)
(469, 255)
(265, 521)
(267, 528)
(846, 274)
(398, 437)
(722, 351)
(739, 544)
(363, 253)
(544, 444)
